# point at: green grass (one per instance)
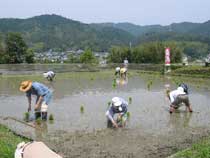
(8, 142)
(198, 150)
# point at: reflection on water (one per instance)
(122, 81)
(41, 130)
(94, 90)
(181, 119)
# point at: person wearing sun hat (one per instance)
(118, 106)
(43, 94)
(177, 97)
(123, 72)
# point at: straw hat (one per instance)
(25, 86)
(123, 70)
(39, 150)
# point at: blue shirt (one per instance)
(113, 110)
(37, 89)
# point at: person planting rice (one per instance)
(177, 97)
(49, 75)
(117, 71)
(119, 107)
(43, 95)
(123, 72)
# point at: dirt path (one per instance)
(110, 143)
(122, 143)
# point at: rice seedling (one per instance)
(114, 83)
(130, 100)
(26, 116)
(81, 109)
(38, 121)
(128, 115)
(51, 117)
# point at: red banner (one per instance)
(167, 57)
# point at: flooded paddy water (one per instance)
(150, 132)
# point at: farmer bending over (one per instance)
(123, 72)
(177, 97)
(49, 75)
(117, 71)
(118, 106)
(43, 94)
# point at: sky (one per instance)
(140, 12)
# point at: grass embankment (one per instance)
(179, 70)
(198, 150)
(199, 71)
(8, 142)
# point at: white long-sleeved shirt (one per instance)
(174, 94)
(49, 74)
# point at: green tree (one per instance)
(15, 47)
(38, 47)
(195, 49)
(175, 51)
(88, 57)
(4, 57)
(150, 52)
(29, 56)
(115, 55)
(73, 59)
(119, 54)
(2, 52)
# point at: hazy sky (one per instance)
(141, 12)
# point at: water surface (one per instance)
(150, 123)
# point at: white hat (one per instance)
(117, 69)
(181, 90)
(116, 101)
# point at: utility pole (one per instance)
(130, 44)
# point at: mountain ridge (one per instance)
(54, 31)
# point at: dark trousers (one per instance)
(41, 115)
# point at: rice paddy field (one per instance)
(80, 100)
